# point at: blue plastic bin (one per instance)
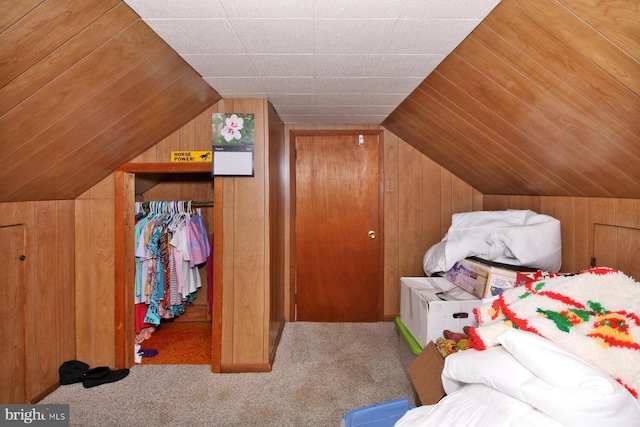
(384, 414)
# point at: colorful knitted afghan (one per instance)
(593, 314)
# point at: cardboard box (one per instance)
(429, 305)
(426, 375)
(482, 278)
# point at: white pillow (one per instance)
(493, 367)
(566, 387)
(476, 405)
(534, 370)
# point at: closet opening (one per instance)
(166, 315)
(173, 280)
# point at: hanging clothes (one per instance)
(171, 242)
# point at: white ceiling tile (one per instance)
(315, 110)
(273, 65)
(296, 109)
(236, 85)
(346, 65)
(292, 99)
(287, 118)
(357, 36)
(374, 110)
(392, 85)
(408, 65)
(450, 9)
(413, 36)
(332, 119)
(280, 9)
(360, 9)
(337, 98)
(289, 36)
(177, 9)
(365, 119)
(328, 110)
(221, 65)
(212, 36)
(340, 85)
(288, 85)
(381, 98)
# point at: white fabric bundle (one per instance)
(516, 237)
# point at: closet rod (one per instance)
(193, 202)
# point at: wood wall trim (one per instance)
(312, 132)
(218, 264)
(236, 368)
(119, 274)
(166, 167)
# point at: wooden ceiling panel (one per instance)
(13, 11)
(506, 160)
(104, 152)
(101, 90)
(464, 155)
(616, 19)
(561, 91)
(558, 122)
(554, 82)
(78, 84)
(67, 55)
(72, 135)
(580, 36)
(571, 66)
(51, 25)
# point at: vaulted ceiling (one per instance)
(543, 98)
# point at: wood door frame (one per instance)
(124, 269)
(293, 134)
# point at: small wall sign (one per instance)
(191, 156)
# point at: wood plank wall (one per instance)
(246, 300)
(278, 190)
(48, 288)
(94, 274)
(578, 217)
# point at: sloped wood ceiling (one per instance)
(84, 86)
(541, 99)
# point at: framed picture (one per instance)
(233, 141)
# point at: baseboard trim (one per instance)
(236, 368)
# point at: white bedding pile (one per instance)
(516, 237)
(527, 381)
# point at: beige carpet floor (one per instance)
(321, 371)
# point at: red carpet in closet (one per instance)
(180, 343)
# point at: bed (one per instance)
(562, 351)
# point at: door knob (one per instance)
(372, 234)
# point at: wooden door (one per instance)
(338, 234)
(12, 316)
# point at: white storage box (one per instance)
(429, 305)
